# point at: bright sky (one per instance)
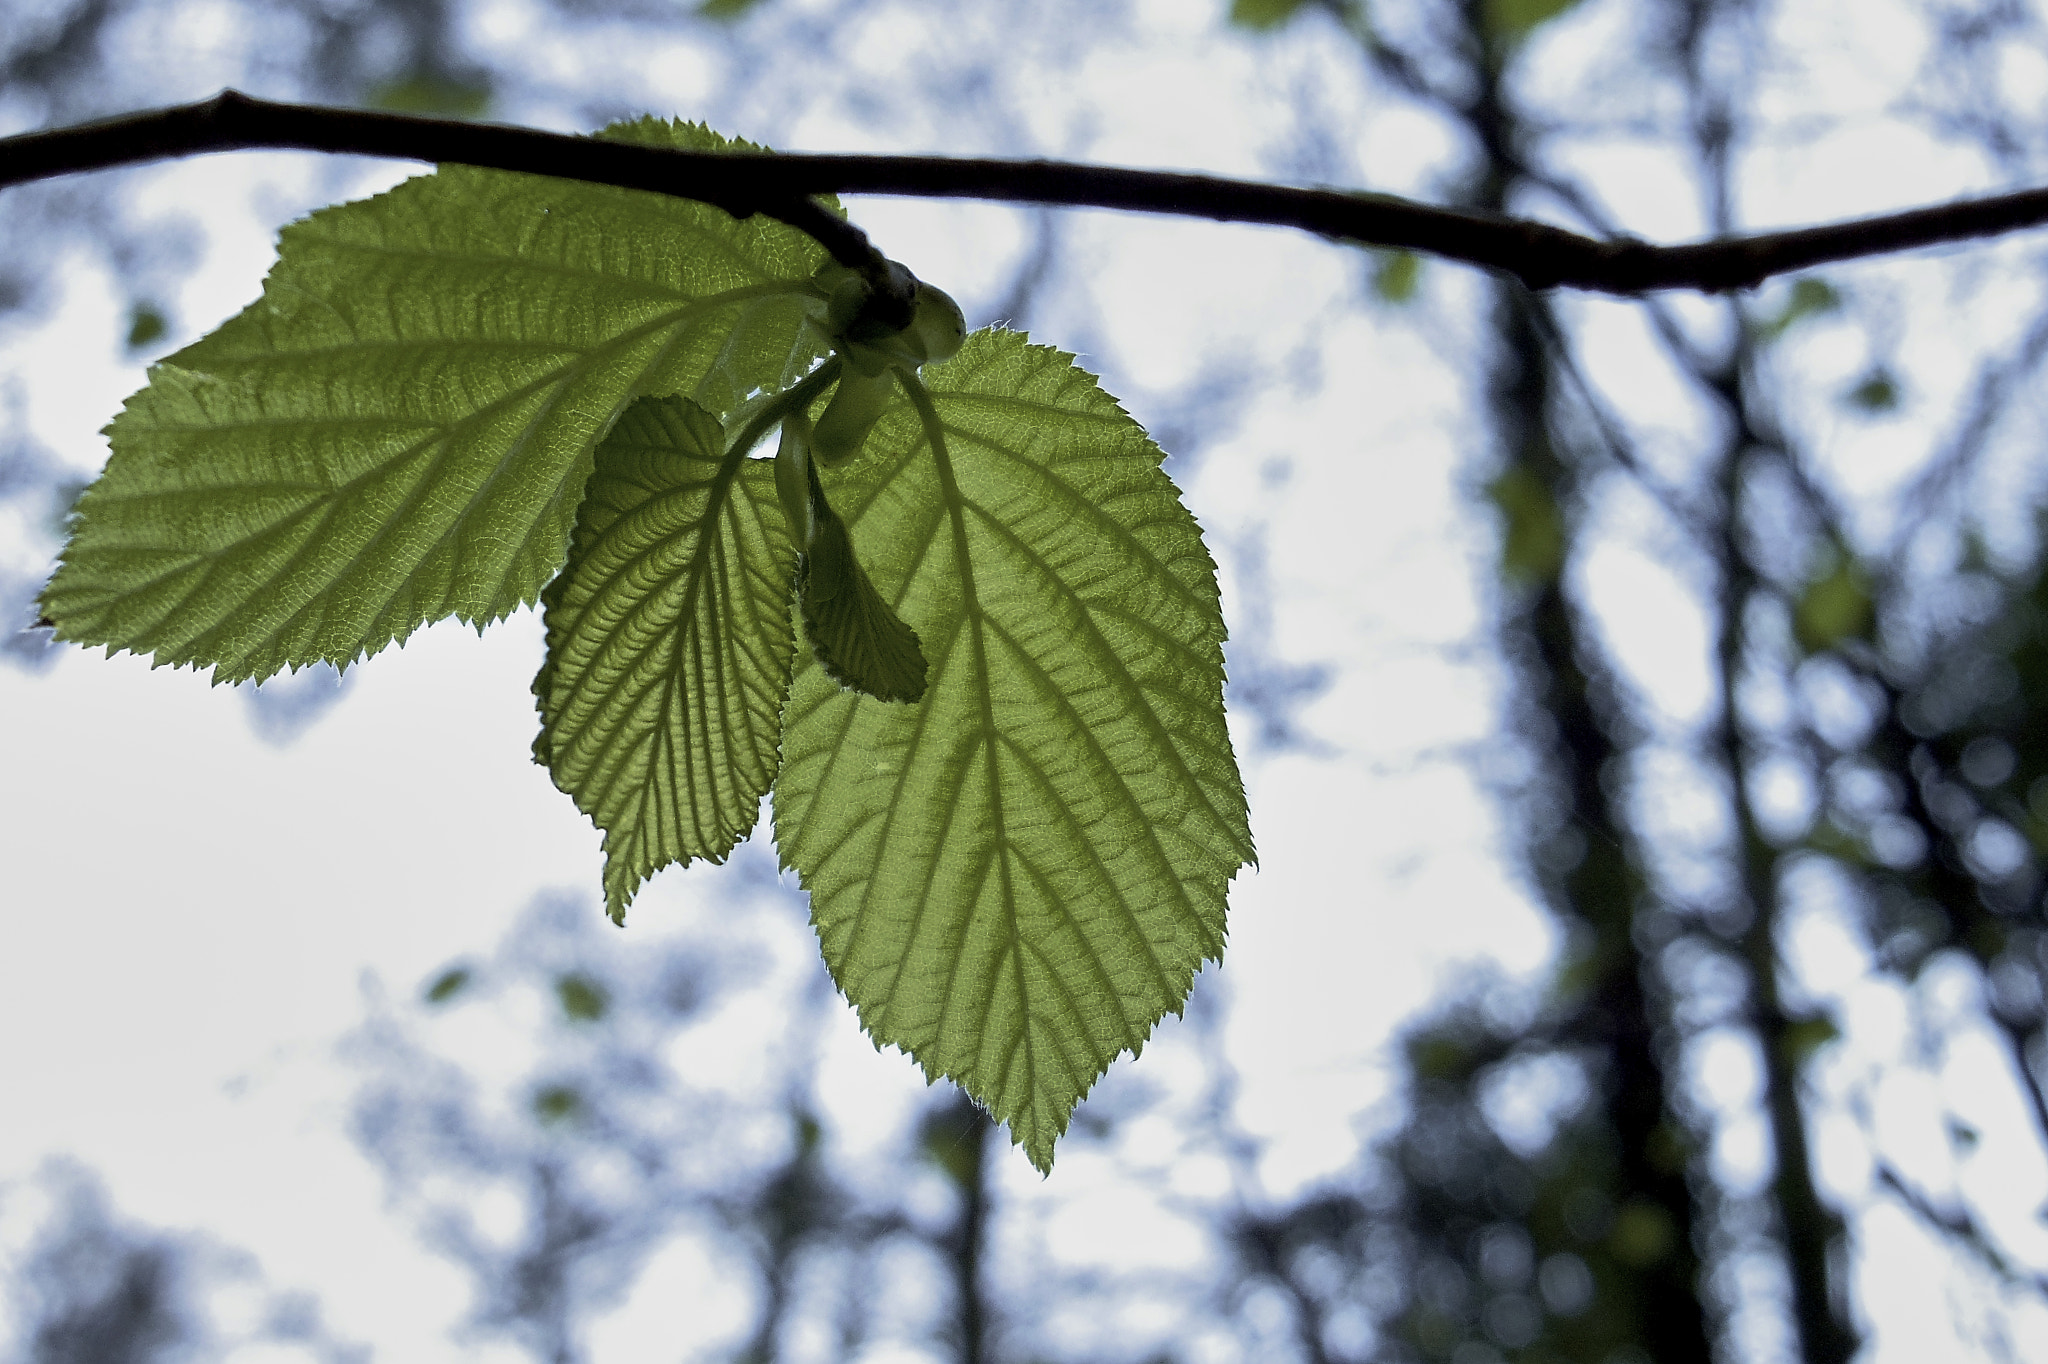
(191, 910)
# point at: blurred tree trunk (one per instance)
(1611, 1002)
(957, 1137)
(1584, 863)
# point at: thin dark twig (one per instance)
(1959, 1227)
(1618, 448)
(1962, 450)
(778, 184)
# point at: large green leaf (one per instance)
(1016, 878)
(400, 428)
(669, 645)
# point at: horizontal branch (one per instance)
(781, 185)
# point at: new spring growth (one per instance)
(874, 352)
(854, 634)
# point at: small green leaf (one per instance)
(431, 92)
(1804, 1037)
(1811, 296)
(1396, 275)
(1835, 606)
(1263, 15)
(448, 984)
(854, 635)
(1831, 840)
(400, 428)
(557, 1104)
(1513, 20)
(146, 325)
(669, 645)
(583, 1000)
(1875, 392)
(1017, 878)
(726, 9)
(1533, 539)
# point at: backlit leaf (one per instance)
(448, 984)
(1017, 877)
(854, 635)
(1515, 19)
(1396, 275)
(669, 645)
(1533, 535)
(1877, 391)
(1261, 15)
(400, 428)
(1810, 296)
(1835, 605)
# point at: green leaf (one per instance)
(1018, 877)
(1806, 1036)
(1264, 15)
(1533, 536)
(432, 92)
(1835, 605)
(1810, 296)
(583, 1000)
(1395, 276)
(669, 645)
(557, 1104)
(447, 985)
(1876, 392)
(1514, 20)
(400, 428)
(146, 325)
(856, 638)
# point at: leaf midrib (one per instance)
(716, 488)
(971, 615)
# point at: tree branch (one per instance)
(780, 185)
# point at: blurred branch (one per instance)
(1673, 500)
(1990, 402)
(1961, 1229)
(780, 185)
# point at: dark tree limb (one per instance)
(780, 185)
